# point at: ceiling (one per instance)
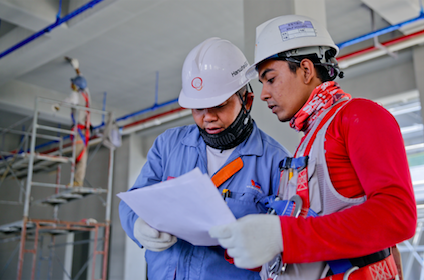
(131, 51)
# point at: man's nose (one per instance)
(264, 94)
(210, 114)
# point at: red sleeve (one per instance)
(376, 157)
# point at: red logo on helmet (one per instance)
(197, 83)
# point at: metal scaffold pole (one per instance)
(28, 190)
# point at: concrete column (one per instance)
(117, 257)
(69, 251)
(135, 264)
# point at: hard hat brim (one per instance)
(251, 72)
(202, 103)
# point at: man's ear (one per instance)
(308, 70)
(249, 100)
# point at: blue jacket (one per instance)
(178, 151)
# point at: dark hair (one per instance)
(322, 72)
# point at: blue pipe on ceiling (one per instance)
(380, 31)
(152, 108)
(58, 22)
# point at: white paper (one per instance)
(187, 207)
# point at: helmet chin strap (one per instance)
(236, 133)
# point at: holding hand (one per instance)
(252, 240)
(151, 238)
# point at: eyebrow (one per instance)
(265, 72)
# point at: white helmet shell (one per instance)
(287, 33)
(212, 72)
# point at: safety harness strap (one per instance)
(227, 172)
(343, 265)
(85, 138)
(87, 118)
(302, 179)
(79, 129)
(382, 270)
(287, 208)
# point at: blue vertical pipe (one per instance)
(58, 22)
(104, 107)
(59, 11)
(157, 88)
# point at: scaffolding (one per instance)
(412, 250)
(21, 164)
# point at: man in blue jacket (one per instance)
(225, 143)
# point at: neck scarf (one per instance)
(321, 98)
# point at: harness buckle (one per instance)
(349, 272)
(277, 268)
(298, 163)
(298, 205)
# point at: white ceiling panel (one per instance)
(397, 11)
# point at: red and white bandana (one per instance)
(323, 96)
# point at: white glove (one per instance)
(252, 240)
(55, 107)
(151, 238)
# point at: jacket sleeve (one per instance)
(150, 174)
(375, 148)
(72, 98)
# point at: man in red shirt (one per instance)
(346, 197)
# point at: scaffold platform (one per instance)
(68, 195)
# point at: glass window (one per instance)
(406, 108)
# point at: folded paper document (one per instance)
(186, 206)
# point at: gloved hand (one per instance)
(252, 240)
(55, 107)
(151, 238)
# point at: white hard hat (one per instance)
(212, 72)
(299, 34)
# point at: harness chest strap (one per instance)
(227, 172)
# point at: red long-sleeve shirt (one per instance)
(365, 155)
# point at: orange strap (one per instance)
(227, 171)
(382, 270)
